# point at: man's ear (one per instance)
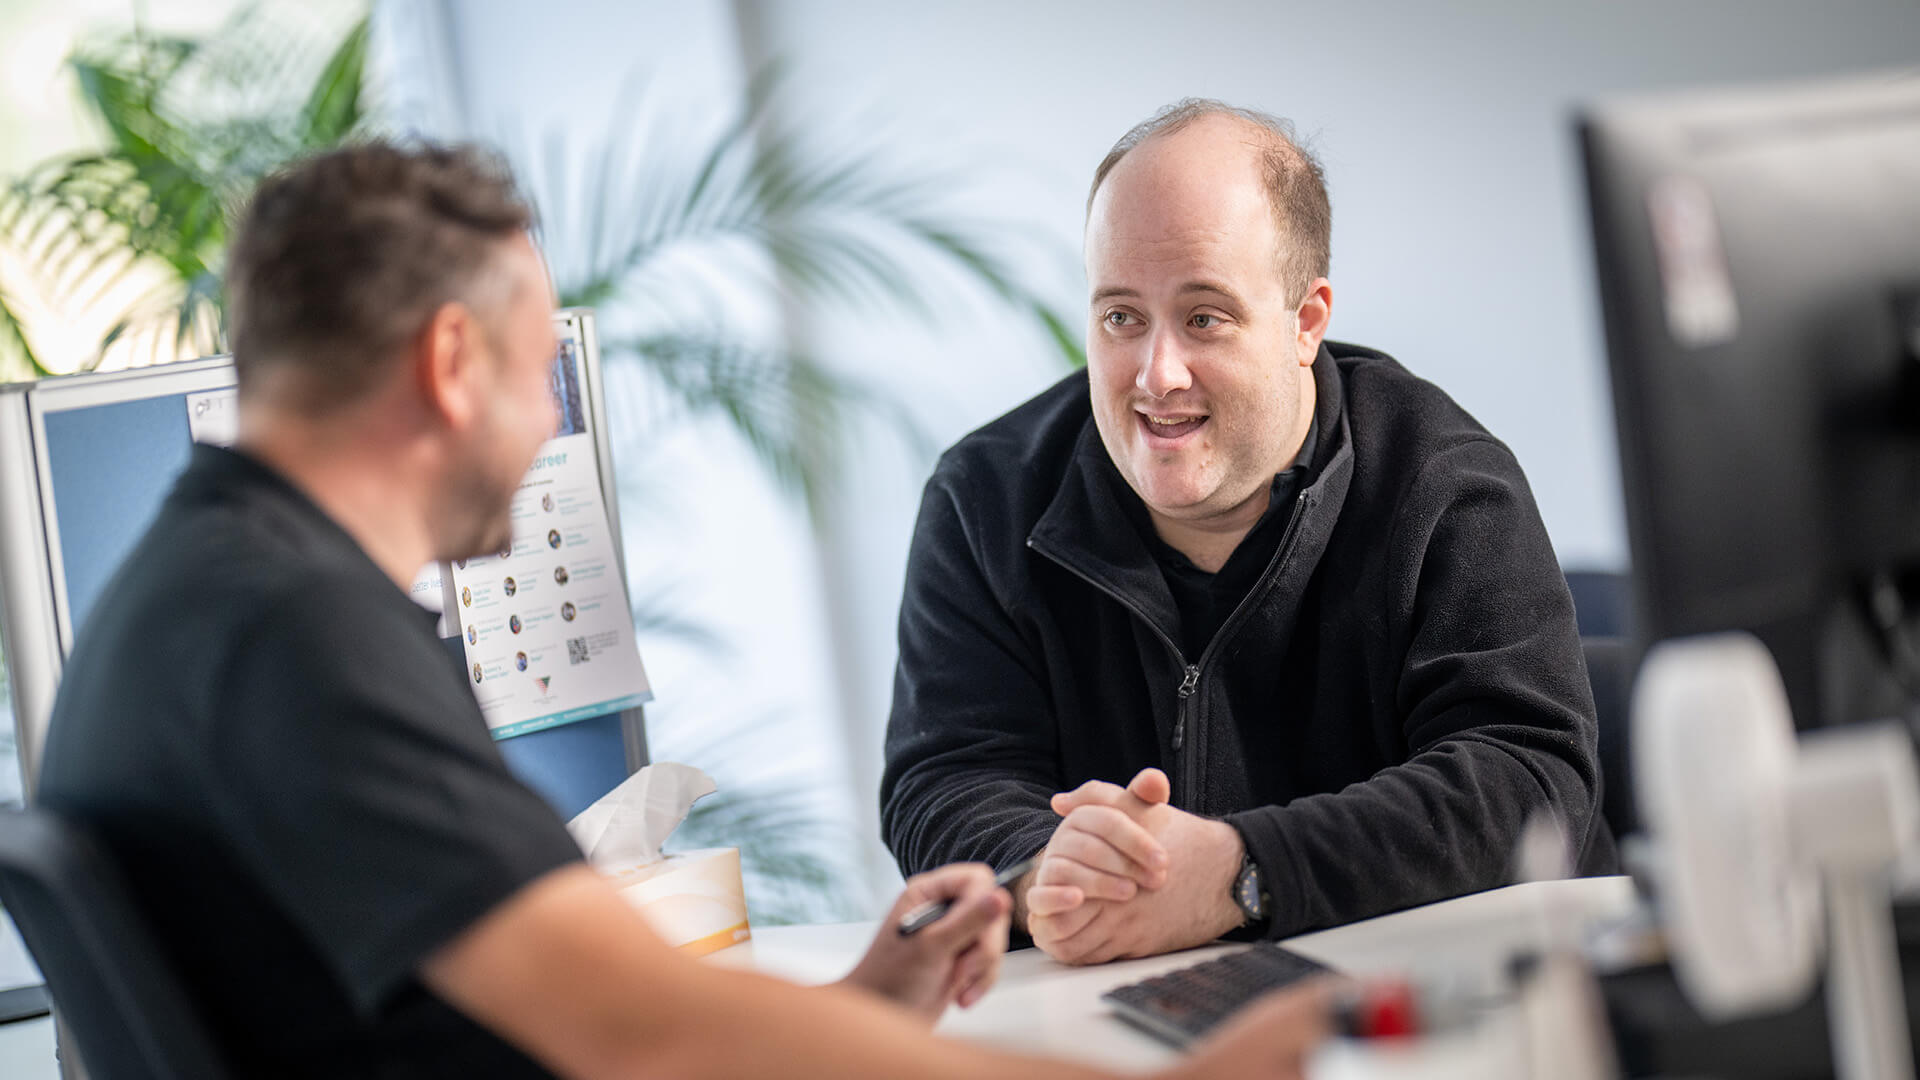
(446, 361)
(1314, 316)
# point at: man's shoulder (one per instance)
(210, 576)
(1399, 421)
(149, 665)
(1029, 444)
(231, 560)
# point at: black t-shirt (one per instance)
(296, 781)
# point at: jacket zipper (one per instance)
(1189, 763)
(1189, 673)
(1188, 690)
(1187, 686)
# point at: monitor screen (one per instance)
(110, 466)
(1759, 265)
(109, 448)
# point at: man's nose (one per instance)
(1165, 370)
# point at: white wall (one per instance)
(1459, 236)
(1459, 239)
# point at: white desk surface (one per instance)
(1043, 1007)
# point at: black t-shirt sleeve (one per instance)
(353, 770)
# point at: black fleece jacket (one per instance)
(1398, 693)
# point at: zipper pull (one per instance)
(1187, 683)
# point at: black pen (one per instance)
(929, 913)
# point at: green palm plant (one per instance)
(191, 125)
(652, 231)
(759, 202)
(655, 228)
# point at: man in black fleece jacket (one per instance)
(1292, 596)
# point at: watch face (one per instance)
(1247, 893)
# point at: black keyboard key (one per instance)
(1183, 1005)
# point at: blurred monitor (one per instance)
(1759, 269)
(85, 462)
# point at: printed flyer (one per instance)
(545, 623)
(547, 633)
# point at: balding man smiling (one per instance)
(1245, 630)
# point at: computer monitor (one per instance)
(86, 460)
(1759, 268)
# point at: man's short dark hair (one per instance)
(341, 258)
(1296, 185)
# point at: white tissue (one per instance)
(626, 827)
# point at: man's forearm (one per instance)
(935, 817)
(571, 974)
(1440, 825)
(825, 1031)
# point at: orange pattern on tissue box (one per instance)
(694, 899)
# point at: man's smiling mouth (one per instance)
(1170, 428)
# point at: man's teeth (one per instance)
(1172, 421)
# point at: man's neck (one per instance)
(364, 485)
(1209, 542)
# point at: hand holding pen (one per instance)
(959, 917)
(930, 912)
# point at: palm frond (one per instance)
(788, 407)
(80, 218)
(15, 340)
(333, 109)
(793, 852)
(653, 614)
(838, 226)
(191, 125)
(782, 404)
(783, 840)
(1065, 337)
(202, 298)
(168, 205)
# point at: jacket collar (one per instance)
(1085, 528)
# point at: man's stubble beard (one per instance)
(478, 512)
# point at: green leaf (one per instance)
(175, 166)
(15, 337)
(790, 409)
(783, 837)
(775, 816)
(838, 226)
(656, 614)
(1065, 337)
(333, 110)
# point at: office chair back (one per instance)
(111, 985)
(1609, 672)
(1602, 602)
(1602, 607)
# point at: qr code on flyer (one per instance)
(577, 651)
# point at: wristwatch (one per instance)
(1249, 895)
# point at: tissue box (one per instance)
(694, 899)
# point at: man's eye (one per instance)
(1117, 318)
(1204, 321)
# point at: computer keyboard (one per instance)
(1183, 1005)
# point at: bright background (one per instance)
(1459, 245)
